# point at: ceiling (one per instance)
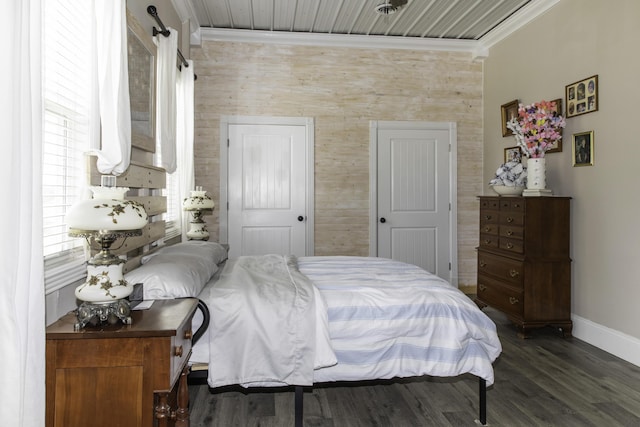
(458, 24)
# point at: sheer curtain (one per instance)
(22, 308)
(114, 148)
(184, 139)
(166, 98)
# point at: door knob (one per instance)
(300, 218)
(383, 220)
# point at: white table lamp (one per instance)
(104, 219)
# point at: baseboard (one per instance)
(617, 343)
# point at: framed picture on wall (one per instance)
(508, 111)
(582, 96)
(583, 149)
(512, 154)
(557, 147)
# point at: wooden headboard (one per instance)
(146, 183)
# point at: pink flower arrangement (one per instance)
(537, 128)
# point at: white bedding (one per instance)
(391, 319)
(385, 319)
(268, 324)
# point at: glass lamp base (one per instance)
(93, 314)
(197, 231)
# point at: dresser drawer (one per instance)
(504, 269)
(489, 241)
(496, 294)
(511, 204)
(489, 228)
(489, 203)
(512, 231)
(511, 245)
(511, 218)
(489, 217)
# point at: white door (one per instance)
(267, 189)
(415, 217)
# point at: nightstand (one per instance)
(121, 375)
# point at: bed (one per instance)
(312, 320)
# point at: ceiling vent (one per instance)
(390, 7)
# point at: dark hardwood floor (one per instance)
(542, 381)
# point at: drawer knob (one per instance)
(487, 241)
(487, 229)
(188, 334)
(487, 217)
(514, 273)
(513, 300)
(177, 351)
(482, 263)
(509, 219)
(482, 287)
(509, 245)
(509, 232)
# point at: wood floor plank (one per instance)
(542, 381)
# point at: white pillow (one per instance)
(212, 250)
(178, 271)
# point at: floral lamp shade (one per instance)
(198, 203)
(104, 219)
(108, 211)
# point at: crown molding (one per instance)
(516, 21)
(337, 40)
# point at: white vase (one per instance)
(536, 173)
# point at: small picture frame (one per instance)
(557, 147)
(512, 154)
(508, 111)
(582, 96)
(583, 149)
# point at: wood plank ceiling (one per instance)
(427, 19)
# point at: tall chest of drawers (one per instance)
(524, 267)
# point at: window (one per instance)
(66, 91)
(173, 226)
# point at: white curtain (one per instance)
(184, 139)
(166, 98)
(22, 307)
(114, 153)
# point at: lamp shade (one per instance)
(198, 201)
(107, 211)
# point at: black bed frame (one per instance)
(201, 376)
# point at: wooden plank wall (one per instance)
(343, 89)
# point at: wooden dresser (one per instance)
(121, 375)
(524, 267)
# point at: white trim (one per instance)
(338, 40)
(187, 13)
(453, 197)
(309, 124)
(617, 343)
(374, 126)
(522, 17)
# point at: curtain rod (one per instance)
(151, 10)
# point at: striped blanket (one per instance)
(390, 319)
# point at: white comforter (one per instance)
(391, 319)
(268, 324)
(385, 319)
